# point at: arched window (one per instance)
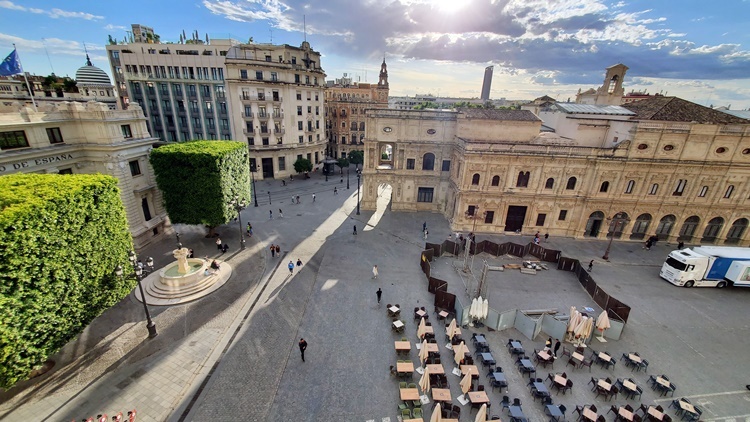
(734, 235)
(549, 184)
(475, 179)
(629, 188)
(712, 229)
(654, 189)
(523, 179)
(730, 190)
(571, 184)
(688, 228)
(496, 181)
(604, 187)
(428, 161)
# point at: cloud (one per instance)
(56, 45)
(110, 27)
(53, 13)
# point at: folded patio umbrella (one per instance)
(452, 329)
(485, 308)
(465, 383)
(422, 328)
(423, 354)
(482, 414)
(459, 353)
(424, 382)
(437, 414)
(602, 323)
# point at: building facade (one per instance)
(277, 93)
(72, 138)
(180, 87)
(345, 105)
(680, 173)
(487, 83)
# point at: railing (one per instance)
(278, 115)
(248, 115)
(279, 132)
(262, 115)
(248, 132)
(276, 99)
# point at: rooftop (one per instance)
(575, 108)
(673, 109)
(498, 114)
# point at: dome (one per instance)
(91, 75)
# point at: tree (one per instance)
(302, 165)
(342, 162)
(356, 157)
(110, 40)
(198, 180)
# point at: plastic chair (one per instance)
(505, 402)
(586, 362)
(417, 413)
(406, 413)
(403, 384)
(402, 406)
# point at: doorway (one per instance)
(267, 164)
(594, 224)
(515, 218)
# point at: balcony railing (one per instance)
(278, 115)
(248, 132)
(248, 115)
(276, 99)
(262, 115)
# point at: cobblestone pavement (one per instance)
(234, 355)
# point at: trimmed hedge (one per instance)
(61, 237)
(198, 180)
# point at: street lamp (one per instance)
(469, 239)
(255, 192)
(269, 197)
(239, 206)
(138, 272)
(358, 191)
(347, 177)
(615, 222)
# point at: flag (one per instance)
(11, 65)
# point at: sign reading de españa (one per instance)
(20, 165)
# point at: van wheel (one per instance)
(689, 283)
(721, 284)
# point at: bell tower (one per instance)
(383, 80)
(611, 91)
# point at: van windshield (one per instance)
(676, 264)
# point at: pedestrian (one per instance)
(425, 234)
(424, 226)
(218, 243)
(546, 237)
(681, 246)
(270, 214)
(375, 272)
(313, 197)
(299, 262)
(379, 293)
(355, 229)
(281, 214)
(278, 251)
(591, 265)
(557, 346)
(283, 182)
(302, 347)
(249, 229)
(291, 267)
(648, 245)
(548, 344)
(536, 240)
(273, 250)
(224, 248)
(335, 191)
(293, 201)
(191, 254)
(298, 199)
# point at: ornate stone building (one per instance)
(72, 138)
(679, 171)
(346, 103)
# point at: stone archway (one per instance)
(736, 231)
(688, 228)
(665, 226)
(712, 230)
(594, 224)
(640, 227)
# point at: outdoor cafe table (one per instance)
(541, 388)
(443, 314)
(543, 355)
(415, 420)
(589, 414)
(398, 324)
(394, 309)
(577, 356)
(480, 339)
(655, 413)
(432, 348)
(435, 369)
(499, 377)
(629, 385)
(604, 357)
(516, 346)
(421, 313)
(635, 358)
(441, 394)
(604, 384)
(526, 363)
(478, 397)
(662, 381)
(403, 346)
(516, 412)
(625, 413)
(554, 411)
(686, 406)
(404, 367)
(428, 330)
(560, 380)
(409, 393)
(487, 358)
(469, 369)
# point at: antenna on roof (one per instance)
(304, 26)
(271, 31)
(88, 60)
(48, 59)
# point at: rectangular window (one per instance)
(703, 192)
(253, 165)
(299, 125)
(274, 76)
(489, 216)
(13, 139)
(299, 110)
(563, 215)
(446, 165)
(680, 188)
(540, 219)
(301, 138)
(243, 74)
(259, 75)
(65, 171)
(471, 210)
(654, 189)
(630, 186)
(729, 191)
(135, 168)
(296, 78)
(126, 132)
(54, 135)
(264, 141)
(282, 163)
(410, 163)
(250, 140)
(425, 194)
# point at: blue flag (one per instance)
(11, 66)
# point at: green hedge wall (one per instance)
(199, 178)
(61, 236)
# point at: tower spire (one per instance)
(88, 60)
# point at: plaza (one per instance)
(234, 354)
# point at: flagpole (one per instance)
(31, 94)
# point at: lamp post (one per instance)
(358, 192)
(469, 239)
(347, 177)
(138, 272)
(239, 206)
(615, 221)
(255, 192)
(269, 197)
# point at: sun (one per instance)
(449, 6)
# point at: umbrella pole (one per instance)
(601, 337)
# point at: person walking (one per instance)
(218, 243)
(425, 234)
(355, 229)
(249, 229)
(302, 347)
(591, 265)
(273, 250)
(291, 267)
(313, 197)
(270, 214)
(546, 237)
(297, 199)
(557, 347)
(548, 344)
(379, 293)
(375, 272)
(681, 246)
(293, 200)
(278, 251)
(281, 214)
(335, 191)
(224, 248)
(424, 226)
(299, 263)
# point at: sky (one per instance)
(695, 49)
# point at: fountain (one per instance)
(185, 280)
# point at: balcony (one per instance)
(279, 131)
(248, 132)
(309, 129)
(276, 99)
(262, 115)
(248, 115)
(278, 115)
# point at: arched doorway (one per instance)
(594, 224)
(640, 227)
(385, 160)
(712, 229)
(688, 228)
(734, 235)
(617, 225)
(665, 226)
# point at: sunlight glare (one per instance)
(449, 6)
